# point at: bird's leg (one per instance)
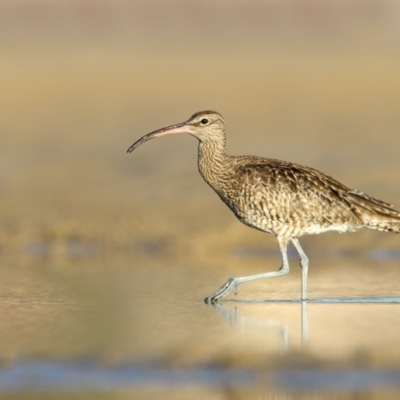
(235, 282)
(304, 268)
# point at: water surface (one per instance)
(87, 327)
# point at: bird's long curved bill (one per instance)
(178, 128)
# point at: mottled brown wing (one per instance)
(307, 184)
(292, 178)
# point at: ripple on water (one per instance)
(84, 375)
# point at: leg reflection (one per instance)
(235, 318)
(304, 323)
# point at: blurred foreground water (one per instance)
(122, 328)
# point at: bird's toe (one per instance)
(223, 291)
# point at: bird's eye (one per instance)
(204, 121)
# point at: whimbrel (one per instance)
(285, 199)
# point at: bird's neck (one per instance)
(212, 161)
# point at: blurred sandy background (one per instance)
(313, 82)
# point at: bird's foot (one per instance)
(224, 290)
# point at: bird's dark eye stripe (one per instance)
(204, 121)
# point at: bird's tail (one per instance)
(375, 214)
(384, 226)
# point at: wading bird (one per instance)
(285, 199)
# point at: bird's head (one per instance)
(204, 125)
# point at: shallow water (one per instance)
(119, 329)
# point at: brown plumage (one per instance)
(285, 199)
